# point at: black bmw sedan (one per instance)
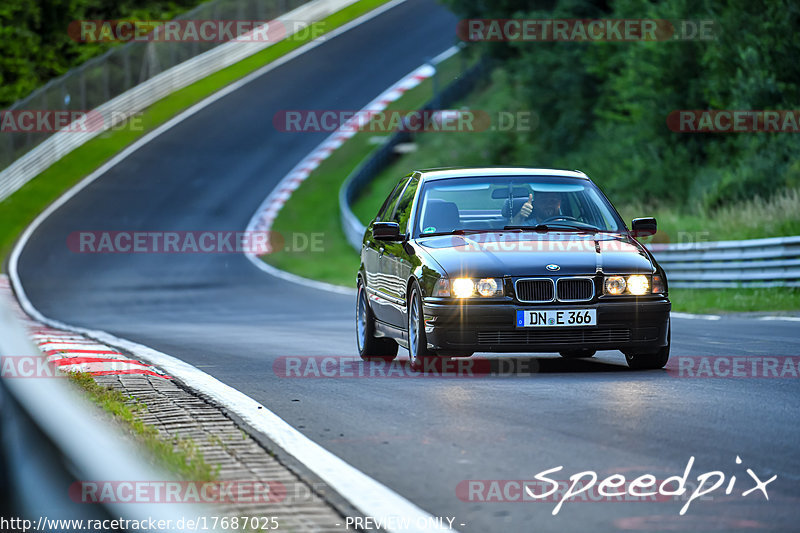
(470, 260)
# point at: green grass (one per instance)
(19, 210)
(178, 455)
(756, 218)
(314, 206)
(735, 300)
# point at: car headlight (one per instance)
(469, 287)
(638, 284)
(463, 287)
(614, 285)
(635, 284)
(489, 287)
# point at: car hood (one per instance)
(529, 254)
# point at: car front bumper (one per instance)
(629, 326)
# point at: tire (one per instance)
(576, 354)
(418, 352)
(652, 360)
(370, 348)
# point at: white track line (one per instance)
(74, 353)
(267, 212)
(367, 495)
(674, 314)
(786, 318)
(364, 493)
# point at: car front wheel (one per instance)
(369, 346)
(418, 351)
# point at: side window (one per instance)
(403, 209)
(387, 208)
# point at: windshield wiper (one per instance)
(553, 227)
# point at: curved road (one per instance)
(420, 437)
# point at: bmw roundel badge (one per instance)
(552, 268)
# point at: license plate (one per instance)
(556, 318)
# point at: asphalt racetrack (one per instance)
(423, 438)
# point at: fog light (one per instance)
(615, 285)
(463, 287)
(638, 284)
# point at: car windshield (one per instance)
(544, 203)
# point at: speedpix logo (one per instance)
(587, 486)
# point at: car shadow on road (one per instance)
(509, 366)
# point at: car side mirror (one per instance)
(642, 227)
(386, 231)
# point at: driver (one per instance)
(547, 205)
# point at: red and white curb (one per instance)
(72, 352)
(367, 495)
(269, 209)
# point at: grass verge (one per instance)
(754, 218)
(314, 208)
(18, 210)
(714, 301)
(178, 455)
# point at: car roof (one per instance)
(466, 172)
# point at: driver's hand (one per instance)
(527, 207)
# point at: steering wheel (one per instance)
(558, 217)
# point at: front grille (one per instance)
(575, 289)
(535, 290)
(536, 336)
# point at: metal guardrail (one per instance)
(129, 78)
(773, 262)
(381, 157)
(51, 437)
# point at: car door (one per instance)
(395, 261)
(372, 253)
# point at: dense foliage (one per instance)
(602, 106)
(35, 45)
